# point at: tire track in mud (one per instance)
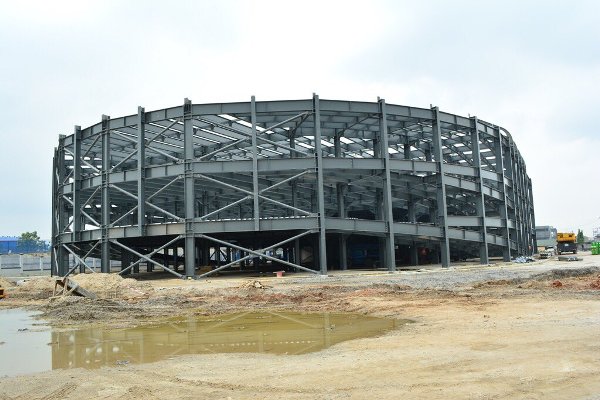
(138, 392)
(198, 383)
(57, 394)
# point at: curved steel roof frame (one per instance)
(255, 176)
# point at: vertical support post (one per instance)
(61, 214)
(294, 188)
(205, 253)
(515, 195)
(527, 221)
(407, 154)
(337, 144)
(188, 184)
(141, 172)
(533, 238)
(125, 261)
(254, 165)
(54, 264)
(297, 252)
(411, 208)
(105, 220)
(320, 187)
(388, 215)
(76, 184)
(480, 197)
(428, 154)
(504, 206)
(442, 211)
(522, 205)
(76, 227)
(342, 240)
(509, 173)
(414, 254)
(518, 209)
(293, 184)
(165, 257)
(175, 249)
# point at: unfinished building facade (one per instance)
(307, 184)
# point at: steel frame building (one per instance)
(253, 177)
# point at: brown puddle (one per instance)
(94, 347)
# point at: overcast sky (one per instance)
(532, 67)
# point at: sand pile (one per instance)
(5, 283)
(34, 288)
(252, 285)
(113, 286)
(105, 286)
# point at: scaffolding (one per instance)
(231, 184)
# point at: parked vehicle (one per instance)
(566, 243)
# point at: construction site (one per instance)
(299, 249)
(304, 185)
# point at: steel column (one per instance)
(480, 198)
(342, 239)
(255, 188)
(105, 204)
(388, 215)
(189, 197)
(442, 210)
(320, 187)
(76, 183)
(141, 172)
(504, 206)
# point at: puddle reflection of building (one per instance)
(272, 332)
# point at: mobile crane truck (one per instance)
(566, 243)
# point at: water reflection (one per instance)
(35, 348)
(272, 332)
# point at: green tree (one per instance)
(580, 237)
(29, 241)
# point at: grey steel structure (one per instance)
(165, 187)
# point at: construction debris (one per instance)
(523, 260)
(253, 285)
(569, 258)
(69, 286)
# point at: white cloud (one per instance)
(530, 67)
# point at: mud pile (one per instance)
(105, 286)
(5, 283)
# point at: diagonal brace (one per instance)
(260, 253)
(147, 258)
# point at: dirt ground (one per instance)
(510, 331)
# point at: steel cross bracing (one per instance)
(165, 186)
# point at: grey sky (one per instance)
(532, 67)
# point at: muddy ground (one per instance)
(505, 331)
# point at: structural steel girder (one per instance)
(196, 176)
